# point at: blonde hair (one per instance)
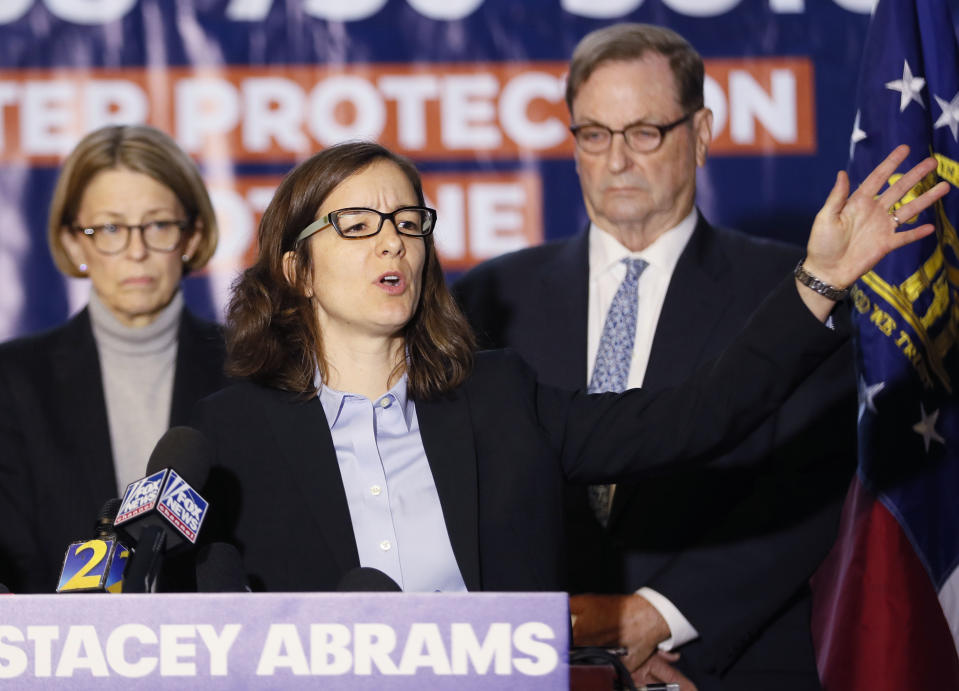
(142, 149)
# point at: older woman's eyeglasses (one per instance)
(359, 222)
(113, 238)
(641, 137)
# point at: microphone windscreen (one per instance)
(108, 513)
(109, 510)
(219, 569)
(365, 579)
(185, 450)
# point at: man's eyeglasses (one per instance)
(641, 137)
(358, 222)
(113, 238)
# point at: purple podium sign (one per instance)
(289, 641)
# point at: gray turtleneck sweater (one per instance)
(137, 366)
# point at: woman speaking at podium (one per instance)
(367, 431)
(82, 405)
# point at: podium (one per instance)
(282, 640)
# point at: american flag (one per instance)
(886, 612)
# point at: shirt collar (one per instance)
(332, 400)
(606, 252)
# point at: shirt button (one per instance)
(385, 402)
(375, 490)
(385, 545)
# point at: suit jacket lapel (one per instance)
(564, 301)
(448, 440)
(306, 444)
(84, 430)
(199, 367)
(693, 297)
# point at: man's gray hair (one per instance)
(630, 41)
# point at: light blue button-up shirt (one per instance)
(394, 506)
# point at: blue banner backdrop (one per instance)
(470, 89)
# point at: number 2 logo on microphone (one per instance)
(95, 565)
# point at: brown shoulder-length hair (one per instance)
(272, 332)
(142, 149)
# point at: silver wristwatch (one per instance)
(821, 287)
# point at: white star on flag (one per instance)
(857, 135)
(950, 115)
(926, 427)
(867, 396)
(908, 87)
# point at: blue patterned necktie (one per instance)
(615, 353)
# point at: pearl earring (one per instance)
(83, 268)
(185, 258)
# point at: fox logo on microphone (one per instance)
(182, 506)
(141, 496)
(169, 495)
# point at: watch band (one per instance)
(821, 287)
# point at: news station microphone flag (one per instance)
(162, 511)
(886, 612)
(98, 564)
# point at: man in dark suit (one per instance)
(714, 562)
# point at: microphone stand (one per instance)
(144, 569)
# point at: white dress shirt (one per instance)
(606, 272)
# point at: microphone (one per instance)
(161, 512)
(219, 569)
(96, 565)
(104, 525)
(366, 579)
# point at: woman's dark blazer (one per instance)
(56, 463)
(498, 446)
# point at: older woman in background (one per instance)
(368, 433)
(82, 405)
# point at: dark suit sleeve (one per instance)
(223, 502)
(761, 553)
(614, 437)
(21, 560)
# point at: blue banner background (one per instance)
(769, 195)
